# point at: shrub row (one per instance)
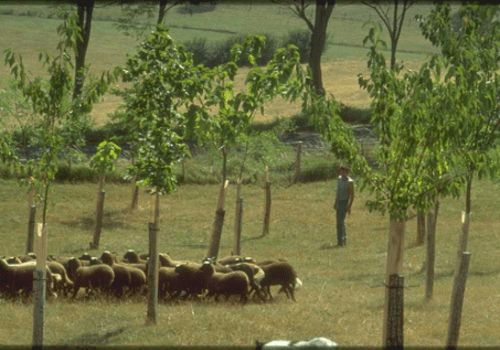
(212, 54)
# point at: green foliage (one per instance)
(218, 53)
(129, 24)
(302, 39)
(105, 157)
(57, 125)
(468, 71)
(164, 82)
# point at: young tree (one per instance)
(163, 84)
(52, 103)
(393, 25)
(158, 9)
(470, 58)
(85, 9)
(318, 27)
(409, 119)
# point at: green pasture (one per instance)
(342, 295)
(28, 28)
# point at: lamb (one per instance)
(280, 273)
(231, 283)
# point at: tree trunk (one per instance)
(156, 219)
(394, 263)
(431, 250)
(224, 164)
(464, 237)
(161, 13)
(420, 228)
(318, 38)
(393, 33)
(135, 190)
(85, 10)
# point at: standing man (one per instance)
(343, 202)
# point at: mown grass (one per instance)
(342, 296)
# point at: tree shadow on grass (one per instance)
(88, 222)
(252, 238)
(95, 339)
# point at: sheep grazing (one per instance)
(64, 284)
(231, 283)
(126, 276)
(217, 265)
(255, 275)
(132, 257)
(280, 273)
(13, 260)
(193, 280)
(270, 261)
(169, 283)
(167, 261)
(19, 278)
(92, 278)
(234, 259)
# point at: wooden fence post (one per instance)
(297, 162)
(394, 264)
(267, 206)
(213, 249)
(395, 331)
(153, 269)
(238, 220)
(98, 221)
(39, 285)
(457, 299)
(30, 246)
(156, 219)
(431, 250)
(462, 245)
(135, 190)
(420, 228)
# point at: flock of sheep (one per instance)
(126, 277)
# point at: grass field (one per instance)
(343, 60)
(342, 296)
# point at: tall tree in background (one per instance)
(131, 11)
(318, 27)
(85, 9)
(393, 20)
